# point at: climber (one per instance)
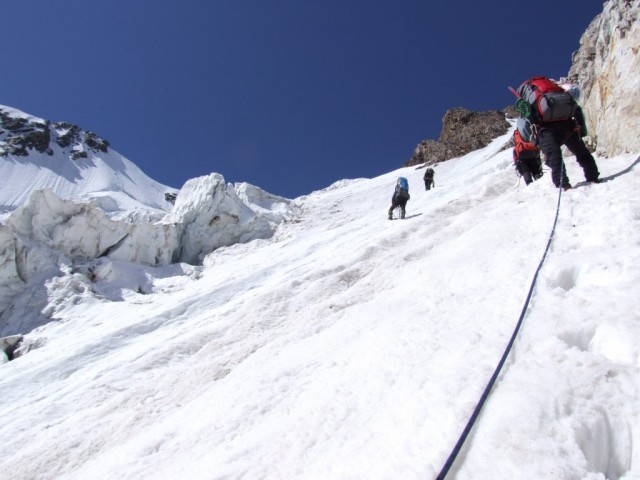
(428, 178)
(526, 156)
(556, 120)
(400, 197)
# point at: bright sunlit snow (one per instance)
(108, 179)
(348, 346)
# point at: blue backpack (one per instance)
(403, 183)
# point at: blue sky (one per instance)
(289, 95)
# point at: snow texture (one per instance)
(343, 346)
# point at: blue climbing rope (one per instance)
(476, 412)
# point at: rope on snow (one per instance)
(476, 412)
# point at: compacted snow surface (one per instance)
(348, 346)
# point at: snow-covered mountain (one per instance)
(75, 164)
(68, 198)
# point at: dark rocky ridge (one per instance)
(19, 136)
(463, 131)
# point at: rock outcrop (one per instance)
(21, 134)
(607, 69)
(463, 131)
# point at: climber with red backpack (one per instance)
(556, 119)
(526, 156)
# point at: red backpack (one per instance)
(549, 102)
(523, 150)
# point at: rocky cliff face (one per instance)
(607, 69)
(463, 131)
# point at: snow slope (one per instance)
(348, 346)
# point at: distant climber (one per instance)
(400, 197)
(556, 120)
(526, 156)
(428, 178)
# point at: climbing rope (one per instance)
(476, 412)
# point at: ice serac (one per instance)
(70, 204)
(211, 213)
(49, 236)
(81, 231)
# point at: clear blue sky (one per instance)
(289, 95)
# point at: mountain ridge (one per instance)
(74, 163)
